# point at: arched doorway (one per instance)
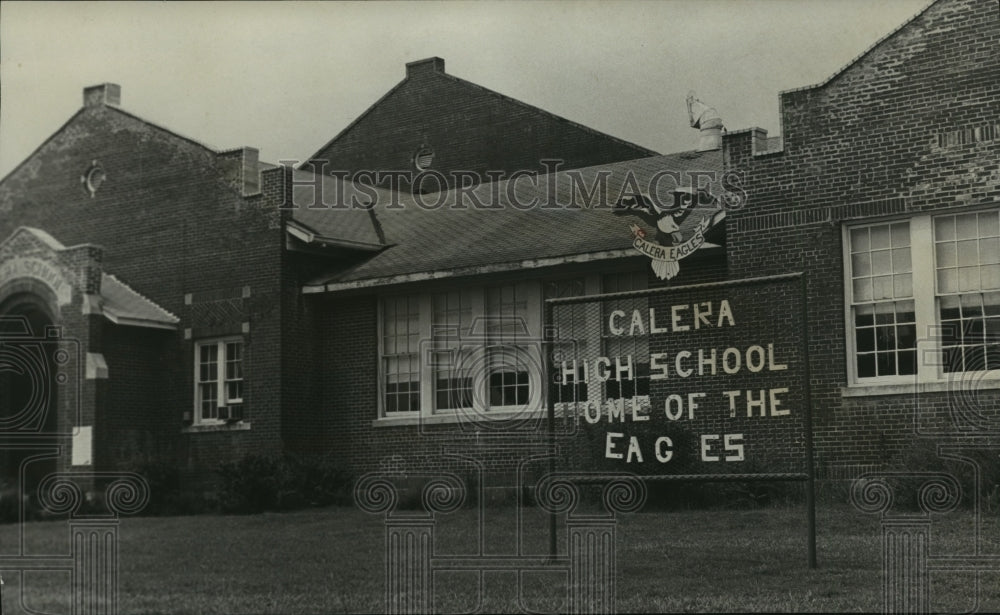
(28, 392)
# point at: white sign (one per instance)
(83, 444)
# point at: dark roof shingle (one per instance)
(529, 218)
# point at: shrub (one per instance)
(922, 456)
(259, 483)
(168, 495)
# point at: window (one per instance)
(882, 300)
(219, 380)
(509, 345)
(459, 350)
(924, 297)
(629, 354)
(575, 324)
(400, 354)
(453, 362)
(967, 259)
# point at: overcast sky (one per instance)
(287, 77)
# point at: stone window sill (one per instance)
(453, 419)
(944, 386)
(216, 427)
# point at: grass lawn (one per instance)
(332, 560)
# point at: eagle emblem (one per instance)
(670, 245)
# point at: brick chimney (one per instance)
(241, 169)
(427, 65)
(104, 94)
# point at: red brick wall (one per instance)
(893, 133)
(173, 222)
(348, 397)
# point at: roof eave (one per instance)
(427, 276)
(131, 321)
(308, 236)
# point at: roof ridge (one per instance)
(116, 109)
(502, 96)
(42, 144)
(356, 120)
(211, 149)
(584, 127)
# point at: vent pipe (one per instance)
(707, 120)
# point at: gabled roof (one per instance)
(115, 109)
(640, 151)
(492, 227)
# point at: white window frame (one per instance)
(930, 374)
(587, 349)
(222, 399)
(428, 411)
(608, 340)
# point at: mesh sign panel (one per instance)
(706, 380)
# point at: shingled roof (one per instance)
(494, 226)
(316, 196)
(121, 304)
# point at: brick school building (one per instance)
(213, 305)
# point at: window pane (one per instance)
(902, 285)
(866, 366)
(901, 260)
(865, 340)
(950, 308)
(908, 362)
(864, 315)
(861, 264)
(863, 289)
(947, 255)
(885, 363)
(209, 353)
(881, 262)
(989, 224)
(901, 234)
(968, 278)
(234, 391)
(968, 253)
(944, 228)
(859, 240)
(989, 250)
(882, 287)
(906, 336)
(947, 280)
(991, 303)
(880, 237)
(967, 226)
(975, 358)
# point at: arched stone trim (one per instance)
(29, 292)
(41, 271)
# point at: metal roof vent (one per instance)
(707, 120)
